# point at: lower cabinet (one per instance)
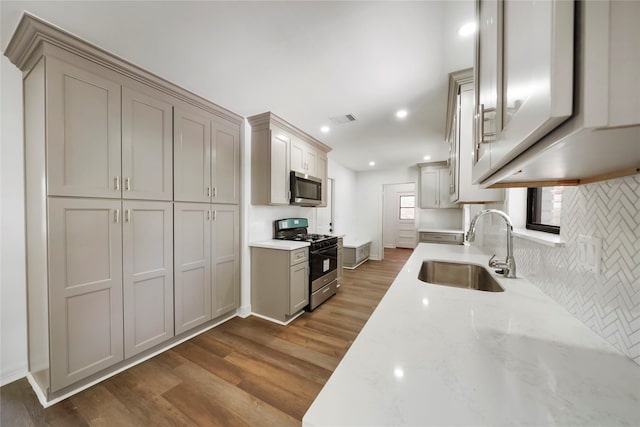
(279, 282)
(110, 283)
(147, 242)
(206, 262)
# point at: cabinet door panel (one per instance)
(299, 288)
(321, 172)
(279, 169)
(225, 174)
(148, 274)
(311, 162)
(297, 157)
(85, 261)
(488, 91)
(192, 235)
(192, 156)
(444, 183)
(83, 132)
(147, 147)
(226, 256)
(429, 188)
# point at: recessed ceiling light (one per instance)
(427, 157)
(372, 163)
(467, 29)
(401, 114)
(325, 129)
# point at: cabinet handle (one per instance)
(116, 183)
(116, 216)
(213, 215)
(127, 215)
(215, 191)
(127, 184)
(208, 215)
(208, 191)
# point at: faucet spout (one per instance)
(508, 267)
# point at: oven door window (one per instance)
(323, 261)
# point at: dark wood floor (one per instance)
(245, 372)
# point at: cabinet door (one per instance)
(444, 188)
(147, 274)
(83, 132)
(191, 155)
(147, 147)
(225, 152)
(192, 265)
(298, 287)
(487, 120)
(311, 159)
(279, 169)
(429, 188)
(298, 161)
(321, 173)
(85, 287)
(225, 271)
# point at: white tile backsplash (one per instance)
(608, 302)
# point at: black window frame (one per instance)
(534, 208)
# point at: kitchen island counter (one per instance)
(438, 355)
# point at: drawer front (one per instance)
(323, 294)
(299, 255)
(450, 238)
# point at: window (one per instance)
(407, 207)
(544, 206)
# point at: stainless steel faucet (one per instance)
(508, 267)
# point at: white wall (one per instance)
(344, 202)
(369, 202)
(13, 317)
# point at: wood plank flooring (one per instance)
(245, 372)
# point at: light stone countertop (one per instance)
(435, 355)
(285, 245)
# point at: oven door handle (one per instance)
(328, 248)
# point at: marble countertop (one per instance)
(440, 230)
(285, 245)
(436, 355)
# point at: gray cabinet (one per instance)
(206, 157)
(459, 134)
(147, 146)
(452, 238)
(85, 287)
(147, 242)
(207, 262)
(435, 186)
(83, 130)
(279, 282)
(225, 266)
(277, 148)
(99, 185)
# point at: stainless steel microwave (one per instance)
(306, 190)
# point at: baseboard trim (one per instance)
(279, 322)
(13, 375)
(244, 311)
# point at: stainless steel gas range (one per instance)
(323, 258)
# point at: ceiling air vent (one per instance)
(340, 120)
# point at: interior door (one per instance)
(405, 226)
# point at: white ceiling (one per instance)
(304, 60)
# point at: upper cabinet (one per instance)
(435, 186)
(459, 135)
(206, 157)
(524, 77)
(277, 148)
(556, 103)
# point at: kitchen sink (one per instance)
(459, 275)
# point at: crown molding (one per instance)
(267, 118)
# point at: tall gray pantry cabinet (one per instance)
(131, 182)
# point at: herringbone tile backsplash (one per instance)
(609, 302)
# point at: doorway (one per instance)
(399, 215)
